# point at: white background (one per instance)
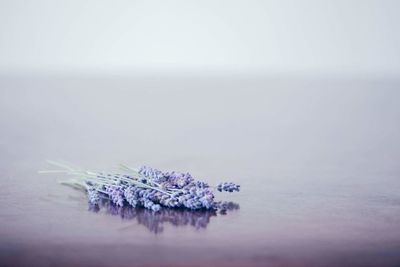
(303, 37)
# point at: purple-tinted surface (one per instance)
(318, 162)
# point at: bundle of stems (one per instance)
(146, 187)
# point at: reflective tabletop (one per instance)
(317, 161)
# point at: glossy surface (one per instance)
(317, 161)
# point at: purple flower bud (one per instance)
(130, 195)
(93, 196)
(228, 187)
(116, 194)
(156, 207)
(153, 174)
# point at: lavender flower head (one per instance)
(93, 195)
(152, 174)
(228, 187)
(116, 194)
(130, 195)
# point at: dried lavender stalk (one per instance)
(149, 188)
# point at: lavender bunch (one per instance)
(149, 188)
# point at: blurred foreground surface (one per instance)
(318, 161)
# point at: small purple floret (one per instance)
(93, 196)
(228, 187)
(116, 194)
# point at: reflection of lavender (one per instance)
(155, 222)
(149, 188)
(224, 206)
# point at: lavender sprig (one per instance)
(228, 187)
